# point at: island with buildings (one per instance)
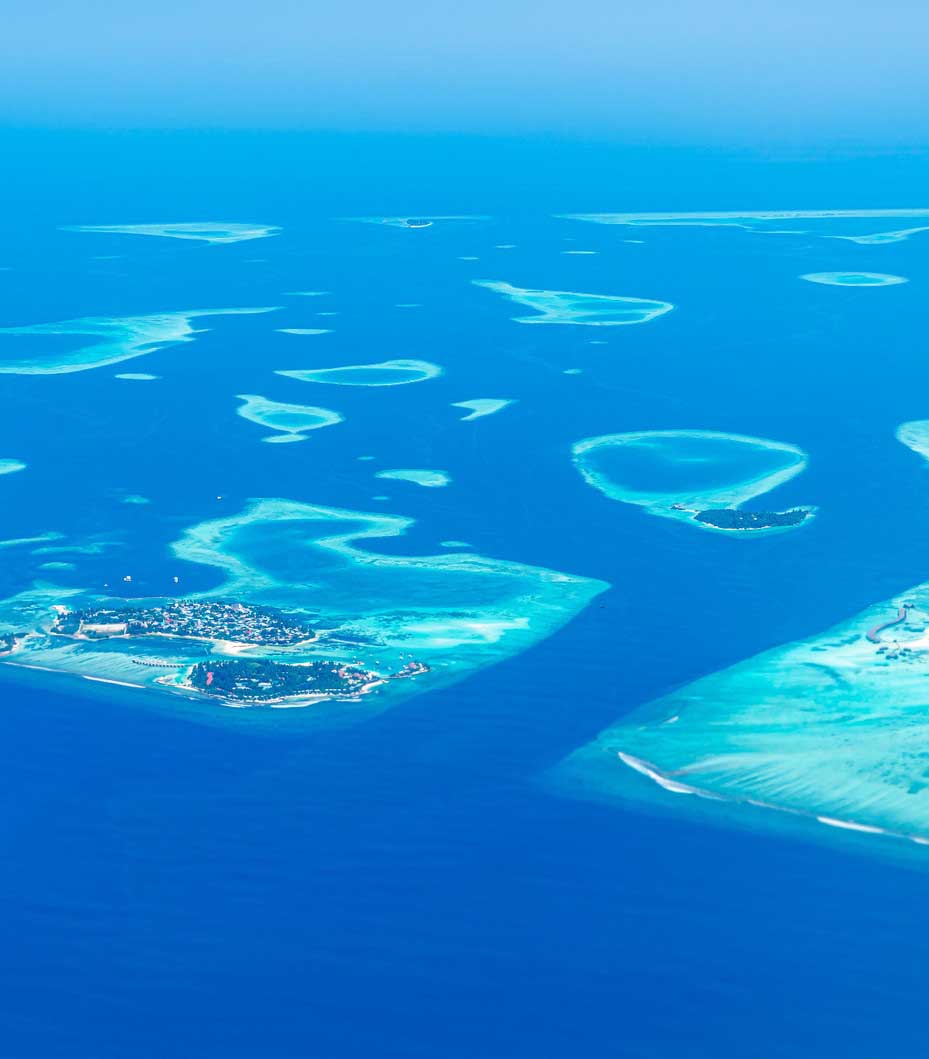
(245, 680)
(206, 620)
(232, 667)
(701, 477)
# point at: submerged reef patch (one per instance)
(731, 218)
(915, 435)
(881, 238)
(833, 728)
(571, 307)
(430, 479)
(482, 406)
(202, 231)
(9, 466)
(106, 340)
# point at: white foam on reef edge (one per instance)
(653, 774)
(650, 771)
(107, 680)
(830, 730)
(850, 825)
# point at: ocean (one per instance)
(187, 879)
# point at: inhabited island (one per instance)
(308, 614)
(263, 680)
(236, 626)
(207, 620)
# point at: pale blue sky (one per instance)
(675, 69)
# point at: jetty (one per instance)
(874, 633)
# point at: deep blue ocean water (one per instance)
(411, 886)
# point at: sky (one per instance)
(722, 71)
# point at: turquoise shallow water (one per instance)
(681, 465)
(426, 879)
(831, 730)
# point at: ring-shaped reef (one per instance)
(854, 279)
(202, 231)
(291, 421)
(384, 373)
(102, 340)
(313, 571)
(572, 307)
(701, 477)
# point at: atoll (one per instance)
(696, 476)
(292, 421)
(385, 373)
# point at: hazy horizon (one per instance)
(713, 73)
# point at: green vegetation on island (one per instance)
(260, 679)
(734, 519)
